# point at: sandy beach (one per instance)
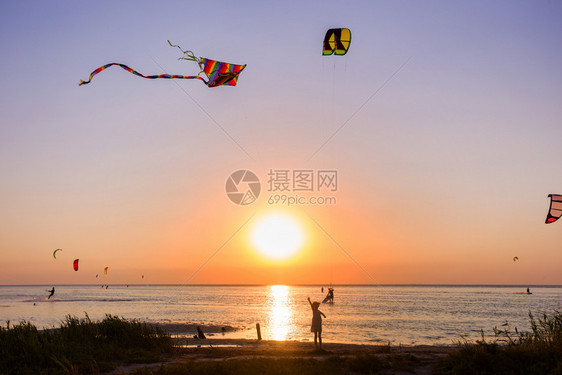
(422, 357)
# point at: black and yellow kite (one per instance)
(336, 41)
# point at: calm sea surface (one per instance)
(408, 315)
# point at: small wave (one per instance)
(209, 345)
(191, 328)
(44, 299)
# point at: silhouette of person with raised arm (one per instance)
(316, 326)
(52, 291)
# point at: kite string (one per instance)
(333, 104)
(206, 112)
(375, 283)
(217, 250)
(194, 273)
(360, 108)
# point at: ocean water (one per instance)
(407, 315)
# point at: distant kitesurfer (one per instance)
(316, 326)
(331, 295)
(52, 291)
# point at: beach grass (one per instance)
(511, 351)
(80, 346)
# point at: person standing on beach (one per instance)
(316, 326)
(52, 291)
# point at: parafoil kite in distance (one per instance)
(336, 41)
(218, 73)
(55, 253)
(75, 264)
(555, 210)
(515, 258)
(105, 270)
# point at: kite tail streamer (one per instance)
(190, 56)
(169, 76)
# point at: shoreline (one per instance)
(185, 332)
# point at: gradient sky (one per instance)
(444, 122)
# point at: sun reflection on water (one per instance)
(280, 312)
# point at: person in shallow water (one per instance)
(331, 295)
(52, 291)
(316, 326)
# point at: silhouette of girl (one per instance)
(316, 326)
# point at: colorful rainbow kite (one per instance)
(218, 73)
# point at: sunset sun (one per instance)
(277, 236)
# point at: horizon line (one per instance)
(306, 285)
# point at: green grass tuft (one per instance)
(80, 346)
(512, 352)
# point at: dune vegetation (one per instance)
(511, 351)
(80, 346)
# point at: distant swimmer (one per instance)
(52, 291)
